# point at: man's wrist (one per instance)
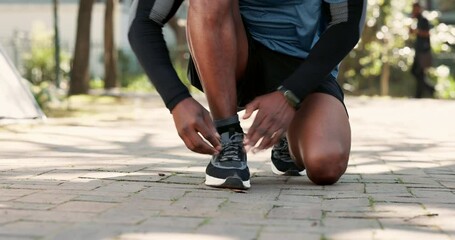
(176, 105)
(291, 98)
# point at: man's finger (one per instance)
(252, 131)
(258, 129)
(267, 139)
(272, 140)
(211, 126)
(197, 144)
(187, 142)
(210, 135)
(250, 108)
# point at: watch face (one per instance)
(288, 96)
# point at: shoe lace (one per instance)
(230, 149)
(282, 149)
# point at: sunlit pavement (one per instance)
(127, 175)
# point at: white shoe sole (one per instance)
(230, 182)
(278, 172)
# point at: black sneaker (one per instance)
(282, 163)
(228, 169)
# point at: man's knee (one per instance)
(213, 11)
(326, 167)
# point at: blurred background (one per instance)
(70, 47)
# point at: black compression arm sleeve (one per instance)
(147, 41)
(334, 44)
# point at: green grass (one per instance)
(371, 202)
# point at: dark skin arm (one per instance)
(192, 121)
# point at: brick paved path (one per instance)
(126, 175)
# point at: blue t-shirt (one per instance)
(291, 27)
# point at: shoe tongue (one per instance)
(226, 136)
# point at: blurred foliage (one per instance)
(39, 68)
(386, 42)
(445, 82)
(131, 76)
(39, 64)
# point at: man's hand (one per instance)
(272, 120)
(192, 121)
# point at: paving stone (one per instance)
(59, 175)
(299, 198)
(8, 217)
(358, 214)
(300, 226)
(31, 229)
(450, 185)
(193, 207)
(80, 206)
(410, 233)
(93, 230)
(385, 188)
(46, 198)
(121, 186)
(176, 234)
(308, 212)
(132, 178)
(242, 213)
(348, 234)
(87, 185)
(7, 198)
(347, 223)
(36, 186)
(344, 195)
(11, 192)
(100, 198)
(184, 180)
(391, 179)
(88, 193)
(167, 224)
(26, 206)
(356, 187)
(146, 204)
(163, 192)
(212, 193)
(436, 194)
(137, 177)
(261, 193)
(59, 217)
(393, 199)
(344, 204)
(232, 231)
(289, 236)
(12, 237)
(121, 168)
(127, 216)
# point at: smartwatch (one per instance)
(292, 99)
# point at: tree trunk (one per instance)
(180, 34)
(385, 75)
(56, 44)
(110, 51)
(79, 83)
(385, 79)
